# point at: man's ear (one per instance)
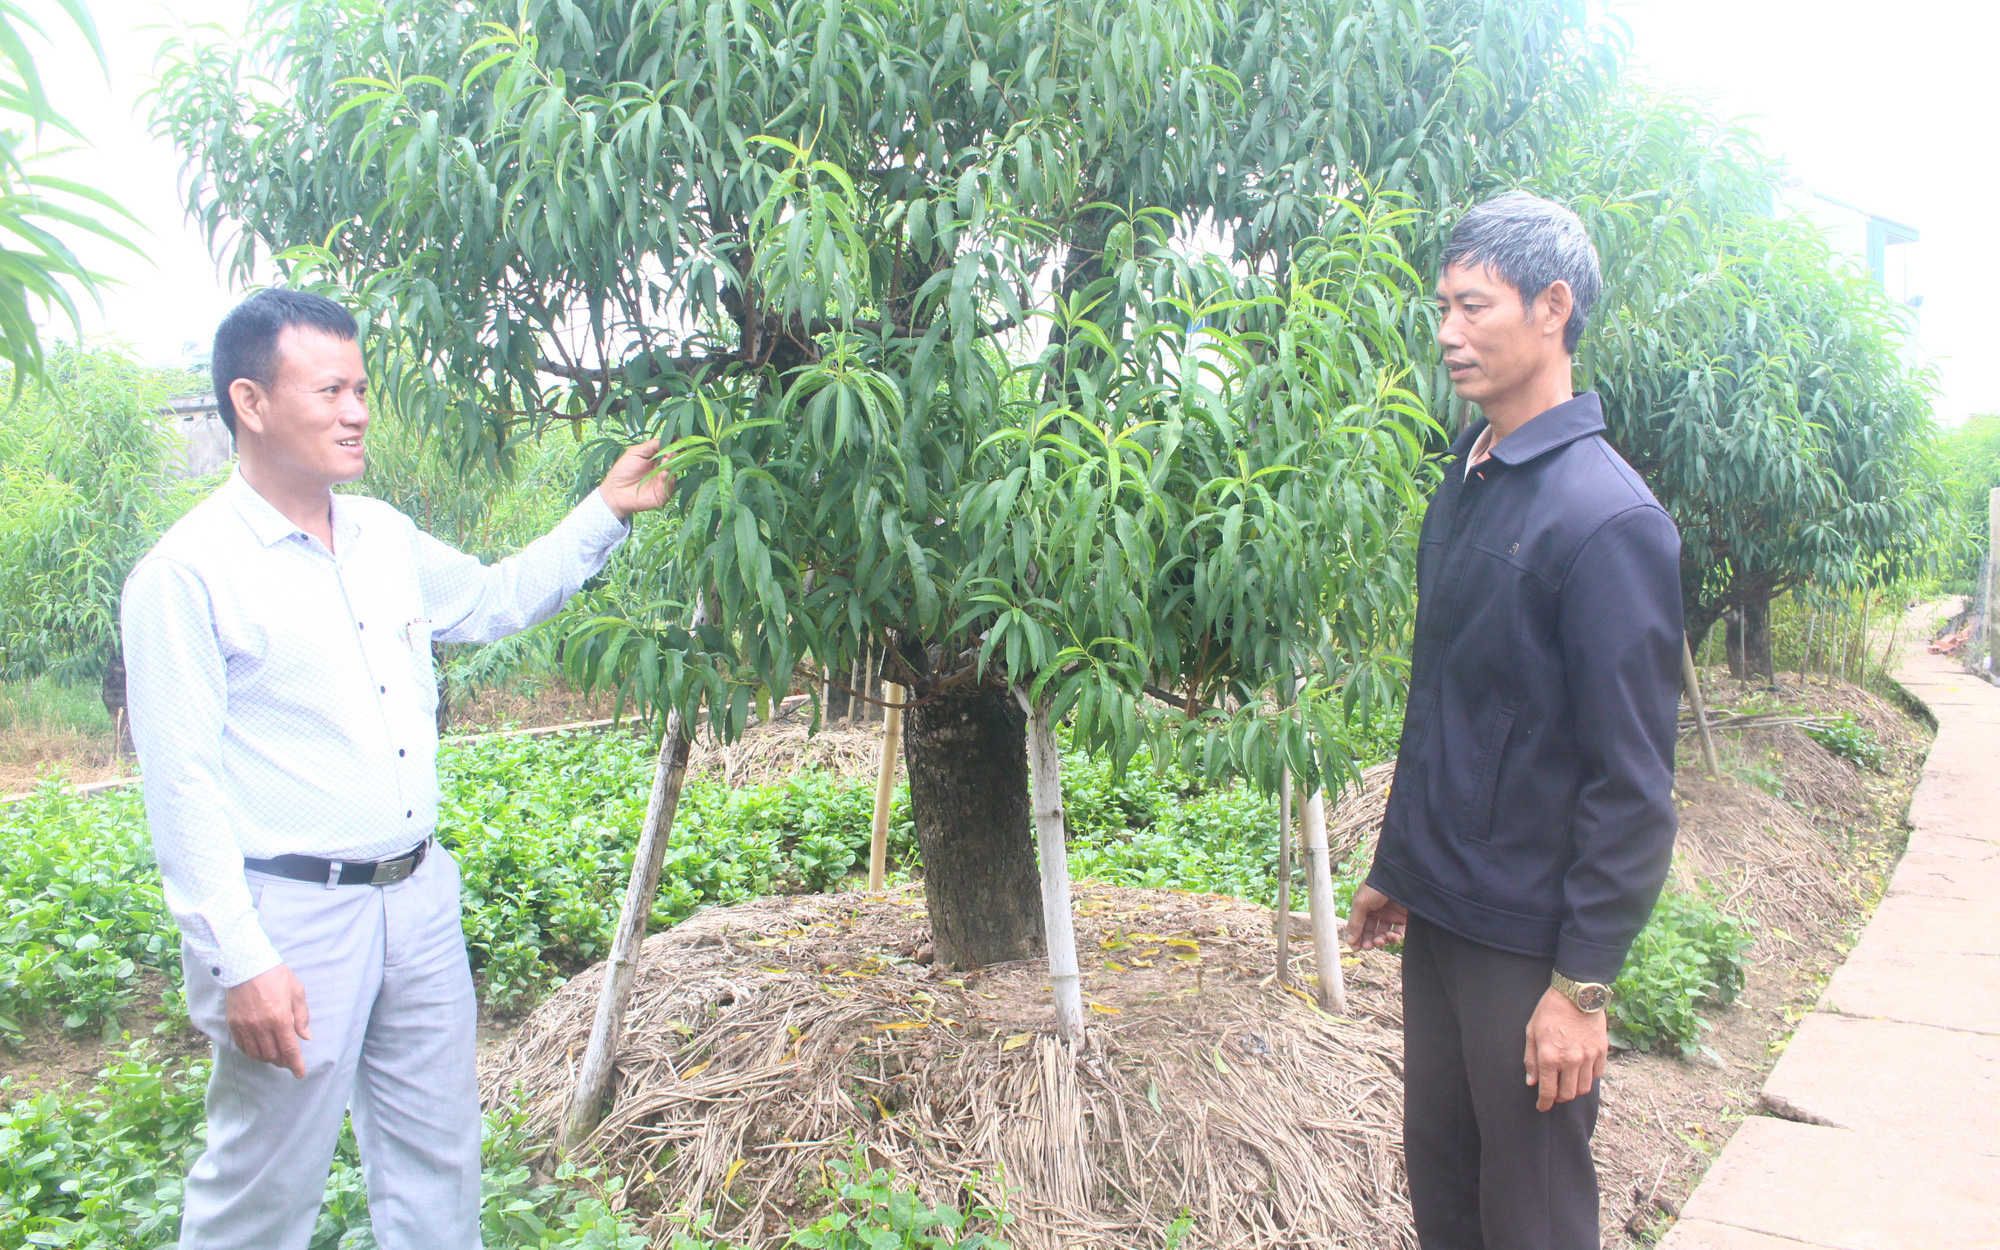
(248, 399)
(1557, 301)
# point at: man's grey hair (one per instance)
(1531, 243)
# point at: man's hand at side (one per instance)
(637, 483)
(1567, 1050)
(267, 1017)
(1374, 919)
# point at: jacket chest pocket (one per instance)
(1478, 813)
(1506, 593)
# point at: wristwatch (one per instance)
(1587, 995)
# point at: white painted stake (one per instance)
(885, 785)
(593, 1079)
(1045, 772)
(1284, 920)
(1319, 893)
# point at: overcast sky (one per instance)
(1886, 106)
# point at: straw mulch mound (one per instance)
(769, 1037)
(772, 752)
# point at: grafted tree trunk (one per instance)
(967, 755)
(1732, 637)
(1757, 637)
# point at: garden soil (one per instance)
(770, 1038)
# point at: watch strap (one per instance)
(1587, 996)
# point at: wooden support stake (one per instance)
(1045, 774)
(593, 1079)
(1319, 895)
(1993, 581)
(1692, 680)
(885, 786)
(1285, 877)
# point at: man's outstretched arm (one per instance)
(468, 601)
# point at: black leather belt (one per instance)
(333, 872)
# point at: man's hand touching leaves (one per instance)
(637, 482)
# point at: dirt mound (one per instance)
(768, 1037)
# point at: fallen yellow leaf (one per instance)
(1115, 967)
(1016, 1042)
(1102, 1010)
(1193, 946)
(730, 1175)
(696, 1070)
(900, 1025)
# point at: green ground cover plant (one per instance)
(1690, 954)
(1848, 737)
(81, 913)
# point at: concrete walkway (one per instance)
(1882, 1120)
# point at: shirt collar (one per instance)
(271, 526)
(1575, 418)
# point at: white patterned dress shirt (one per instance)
(283, 698)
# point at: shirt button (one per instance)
(215, 972)
(399, 753)
(407, 815)
(361, 625)
(383, 689)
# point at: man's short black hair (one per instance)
(246, 343)
(1531, 243)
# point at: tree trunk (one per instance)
(1756, 619)
(1732, 637)
(967, 756)
(1700, 619)
(113, 694)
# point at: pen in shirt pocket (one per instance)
(416, 636)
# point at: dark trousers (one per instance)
(1487, 1170)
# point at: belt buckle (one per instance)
(390, 871)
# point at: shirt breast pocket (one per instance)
(423, 668)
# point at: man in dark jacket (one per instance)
(1531, 821)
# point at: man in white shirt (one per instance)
(283, 699)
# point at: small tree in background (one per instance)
(1753, 378)
(1022, 341)
(85, 490)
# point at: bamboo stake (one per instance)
(1285, 876)
(593, 1080)
(1045, 772)
(885, 786)
(1692, 680)
(1319, 895)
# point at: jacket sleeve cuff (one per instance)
(1587, 961)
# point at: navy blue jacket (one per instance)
(1532, 809)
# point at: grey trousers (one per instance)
(1487, 1170)
(394, 1028)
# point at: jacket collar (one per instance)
(1579, 417)
(271, 526)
